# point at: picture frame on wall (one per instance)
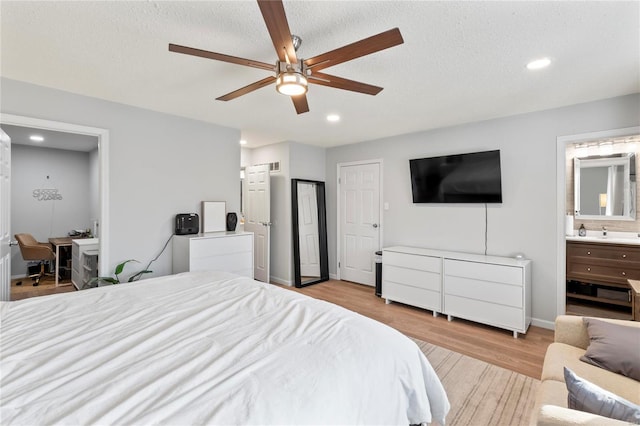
(214, 216)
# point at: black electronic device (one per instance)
(462, 178)
(232, 221)
(187, 223)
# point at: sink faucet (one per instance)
(604, 231)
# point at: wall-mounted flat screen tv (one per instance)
(462, 178)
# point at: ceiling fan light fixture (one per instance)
(291, 83)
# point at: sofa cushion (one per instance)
(551, 415)
(560, 355)
(613, 347)
(552, 392)
(586, 396)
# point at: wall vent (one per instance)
(274, 167)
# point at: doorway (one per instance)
(102, 136)
(359, 220)
(562, 143)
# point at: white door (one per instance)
(258, 217)
(359, 221)
(308, 230)
(5, 210)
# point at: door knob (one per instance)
(13, 243)
(375, 225)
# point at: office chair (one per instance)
(33, 250)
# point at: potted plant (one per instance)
(95, 282)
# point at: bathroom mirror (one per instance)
(310, 258)
(605, 187)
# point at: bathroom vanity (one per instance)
(598, 269)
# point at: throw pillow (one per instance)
(585, 396)
(614, 347)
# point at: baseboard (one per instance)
(550, 325)
(333, 276)
(281, 281)
(15, 277)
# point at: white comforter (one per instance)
(207, 348)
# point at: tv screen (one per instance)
(461, 178)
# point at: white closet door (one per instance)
(359, 221)
(258, 217)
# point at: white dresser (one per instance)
(84, 261)
(413, 276)
(222, 251)
(491, 290)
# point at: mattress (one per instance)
(207, 348)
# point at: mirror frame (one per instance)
(322, 233)
(627, 160)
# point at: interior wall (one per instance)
(307, 162)
(159, 165)
(45, 168)
(596, 225)
(526, 220)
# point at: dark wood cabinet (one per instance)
(600, 271)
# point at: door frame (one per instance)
(103, 155)
(380, 202)
(561, 181)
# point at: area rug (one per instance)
(481, 393)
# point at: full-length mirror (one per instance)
(605, 187)
(310, 258)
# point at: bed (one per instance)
(207, 348)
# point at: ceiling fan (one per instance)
(292, 75)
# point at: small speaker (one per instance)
(232, 221)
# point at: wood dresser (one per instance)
(599, 272)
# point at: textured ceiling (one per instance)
(461, 61)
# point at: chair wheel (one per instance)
(36, 284)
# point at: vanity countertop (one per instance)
(611, 238)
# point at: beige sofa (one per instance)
(571, 341)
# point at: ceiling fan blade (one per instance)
(220, 57)
(276, 20)
(301, 104)
(343, 83)
(355, 50)
(247, 89)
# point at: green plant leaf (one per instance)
(137, 276)
(120, 267)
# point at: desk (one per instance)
(57, 243)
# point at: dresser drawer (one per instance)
(486, 291)
(484, 272)
(205, 247)
(412, 277)
(412, 261)
(232, 262)
(413, 296)
(603, 251)
(485, 312)
(597, 272)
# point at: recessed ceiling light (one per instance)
(36, 138)
(539, 64)
(333, 118)
(243, 142)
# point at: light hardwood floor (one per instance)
(493, 345)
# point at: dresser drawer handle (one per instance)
(624, 274)
(624, 256)
(588, 252)
(589, 269)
